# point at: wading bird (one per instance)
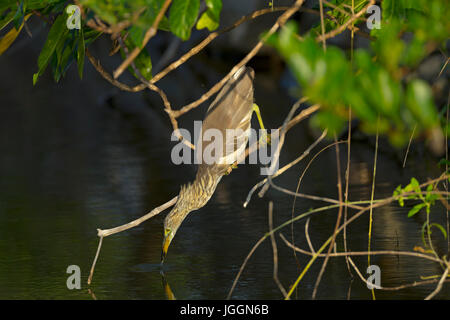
(232, 109)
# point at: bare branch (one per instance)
(279, 23)
(439, 286)
(275, 251)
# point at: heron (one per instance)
(232, 109)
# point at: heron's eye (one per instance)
(167, 231)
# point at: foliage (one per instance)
(377, 83)
(427, 200)
(210, 18)
(374, 83)
(64, 46)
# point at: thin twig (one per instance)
(191, 52)
(275, 251)
(363, 253)
(338, 220)
(244, 264)
(371, 198)
(353, 218)
(279, 23)
(97, 65)
(148, 35)
(107, 232)
(312, 197)
(276, 157)
(308, 240)
(341, 28)
(443, 68)
(209, 39)
(409, 145)
(91, 273)
(439, 286)
(349, 139)
(360, 253)
(321, 209)
(322, 26)
(135, 223)
(167, 105)
(404, 286)
(446, 170)
(288, 126)
(298, 187)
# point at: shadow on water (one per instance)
(79, 155)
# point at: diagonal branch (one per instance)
(279, 23)
(148, 35)
(347, 23)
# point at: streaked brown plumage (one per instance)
(232, 109)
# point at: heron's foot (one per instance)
(233, 166)
(265, 139)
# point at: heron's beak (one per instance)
(165, 247)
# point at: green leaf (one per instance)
(215, 6)
(443, 163)
(397, 191)
(393, 8)
(440, 228)
(4, 21)
(415, 209)
(19, 16)
(65, 53)
(182, 16)
(414, 183)
(12, 34)
(210, 18)
(146, 20)
(55, 35)
(412, 186)
(80, 53)
(206, 21)
(143, 61)
(90, 36)
(420, 102)
(425, 224)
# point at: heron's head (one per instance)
(172, 222)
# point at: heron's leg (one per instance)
(230, 168)
(265, 138)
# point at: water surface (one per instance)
(79, 156)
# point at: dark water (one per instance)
(78, 156)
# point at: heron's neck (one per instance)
(195, 195)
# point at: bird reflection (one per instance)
(166, 287)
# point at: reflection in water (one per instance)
(92, 294)
(167, 290)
